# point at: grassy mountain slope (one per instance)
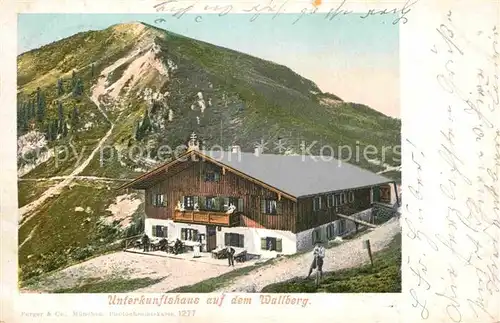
(154, 88)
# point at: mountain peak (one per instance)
(129, 26)
(134, 29)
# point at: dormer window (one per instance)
(212, 176)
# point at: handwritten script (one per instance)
(179, 8)
(462, 229)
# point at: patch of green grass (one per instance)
(115, 285)
(215, 283)
(118, 73)
(28, 191)
(60, 233)
(383, 277)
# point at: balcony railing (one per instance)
(207, 217)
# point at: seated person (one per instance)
(177, 246)
(145, 242)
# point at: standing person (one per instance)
(145, 242)
(230, 255)
(318, 255)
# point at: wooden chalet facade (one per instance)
(189, 198)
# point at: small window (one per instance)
(212, 176)
(317, 203)
(342, 228)
(158, 200)
(160, 231)
(188, 202)
(330, 202)
(351, 197)
(269, 207)
(211, 203)
(189, 234)
(234, 240)
(337, 199)
(271, 244)
(228, 201)
(316, 235)
(342, 198)
(330, 231)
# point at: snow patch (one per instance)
(149, 96)
(329, 101)
(141, 63)
(88, 125)
(201, 102)
(33, 150)
(87, 210)
(387, 167)
(30, 142)
(171, 65)
(123, 209)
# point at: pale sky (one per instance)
(356, 59)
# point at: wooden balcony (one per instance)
(207, 217)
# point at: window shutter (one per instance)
(195, 235)
(153, 199)
(202, 202)
(279, 245)
(263, 244)
(195, 201)
(279, 207)
(154, 231)
(262, 206)
(217, 205)
(216, 176)
(226, 203)
(376, 194)
(183, 200)
(240, 205)
(241, 243)
(183, 234)
(227, 238)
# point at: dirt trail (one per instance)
(27, 211)
(348, 254)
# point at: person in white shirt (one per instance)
(319, 255)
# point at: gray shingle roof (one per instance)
(299, 175)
